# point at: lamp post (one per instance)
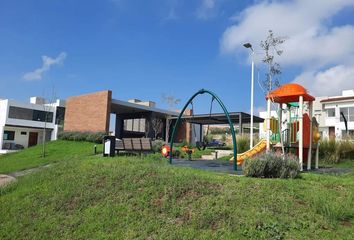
(249, 45)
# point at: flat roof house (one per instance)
(22, 124)
(337, 116)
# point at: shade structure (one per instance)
(289, 92)
(219, 118)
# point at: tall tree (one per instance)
(271, 48)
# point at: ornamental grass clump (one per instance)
(332, 151)
(270, 165)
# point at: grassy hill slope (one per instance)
(89, 197)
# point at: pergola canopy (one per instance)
(133, 110)
(288, 93)
(220, 118)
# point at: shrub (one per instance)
(157, 145)
(95, 137)
(272, 166)
(181, 144)
(332, 151)
(198, 153)
(217, 130)
(243, 144)
(223, 138)
(208, 138)
(176, 153)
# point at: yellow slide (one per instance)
(259, 147)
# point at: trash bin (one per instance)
(109, 146)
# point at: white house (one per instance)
(22, 124)
(337, 116)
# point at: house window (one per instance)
(42, 115)
(134, 125)
(23, 133)
(60, 115)
(331, 112)
(20, 113)
(9, 135)
(351, 114)
(345, 112)
(30, 114)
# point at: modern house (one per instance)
(25, 124)
(337, 116)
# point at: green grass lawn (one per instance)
(55, 151)
(89, 197)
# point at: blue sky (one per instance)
(144, 49)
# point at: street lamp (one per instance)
(249, 45)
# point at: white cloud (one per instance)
(305, 23)
(37, 74)
(323, 51)
(328, 82)
(206, 9)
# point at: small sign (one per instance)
(107, 147)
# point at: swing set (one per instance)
(201, 145)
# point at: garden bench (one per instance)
(137, 145)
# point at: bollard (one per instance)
(94, 149)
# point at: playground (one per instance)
(293, 132)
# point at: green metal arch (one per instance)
(200, 92)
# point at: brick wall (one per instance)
(89, 112)
(183, 131)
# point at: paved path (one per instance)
(218, 153)
(11, 177)
(210, 165)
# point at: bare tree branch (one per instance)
(270, 47)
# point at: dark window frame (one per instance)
(30, 114)
(331, 110)
(59, 115)
(345, 111)
(10, 135)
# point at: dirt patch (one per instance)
(300, 202)
(346, 223)
(6, 179)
